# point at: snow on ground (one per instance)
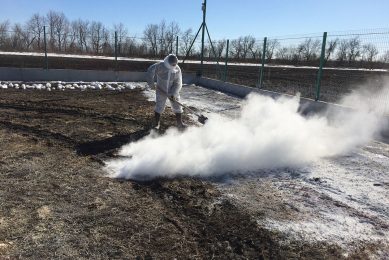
(187, 61)
(342, 200)
(79, 85)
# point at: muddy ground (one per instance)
(55, 201)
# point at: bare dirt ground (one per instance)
(55, 201)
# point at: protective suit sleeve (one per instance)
(151, 75)
(177, 83)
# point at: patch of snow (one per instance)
(187, 61)
(342, 229)
(82, 86)
(342, 200)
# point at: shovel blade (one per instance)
(202, 119)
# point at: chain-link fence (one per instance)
(323, 66)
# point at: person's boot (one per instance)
(180, 124)
(157, 118)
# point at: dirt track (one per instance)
(56, 203)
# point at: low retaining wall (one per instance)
(33, 74)
(306, 105)
(22, 74)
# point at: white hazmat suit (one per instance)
(169, 80)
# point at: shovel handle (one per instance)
(178, 102)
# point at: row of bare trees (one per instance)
(93, 37)
(309, 49)
(62, 35)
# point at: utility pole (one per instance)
(203, 28)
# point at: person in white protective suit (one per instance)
(168, 86)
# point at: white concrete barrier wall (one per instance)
(36, 74)
(307, 105)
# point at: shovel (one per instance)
(201, 118)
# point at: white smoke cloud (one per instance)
(268, 134)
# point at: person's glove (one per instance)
(172, 98)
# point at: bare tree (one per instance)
(142, 49)
(107, 43)
(170, 36)
(236, 48)
(162, 30)
(241, 47)
(354, 49)
(61, 28)
(297, 52)
(342, 50)
(96, 34)
(72, 37)
(309, 49)
(256, 50)
(186, 39)
(58, 26)
(4, 27)
(369, 52)
(385, 57)
(282, 53)
(51, 20)
(80, 30)
(271, 47)
(21, 39)
(35, 26)
(122, 34)
(129, 47)
(151, 37)
(248, 43)
(219, 47)
(331, 47)
(213, 49)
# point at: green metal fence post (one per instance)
(116, 50)
(320, 72)
(45, 44)
(177, 46)
(204, 7)
(226, 63)
(263, 63)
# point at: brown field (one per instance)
(55, 201)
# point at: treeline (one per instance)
(92, 37)
(346, 51)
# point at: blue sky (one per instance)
(225, 18)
